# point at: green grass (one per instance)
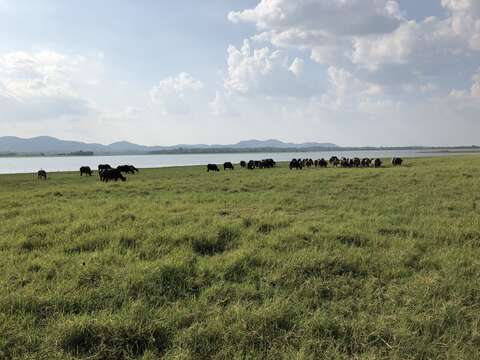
(185, 264)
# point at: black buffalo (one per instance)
(111, 174)
(377, 163)
(322, 163)
(85, 170)
(104, 167)
(296, 164)
(42, 174)
(366, 162)
(228, 165)
(243, 164)
(397, 161)
(212, 167)
(251, 165)
(334, 161)
(127, 169)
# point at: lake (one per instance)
(12, 165)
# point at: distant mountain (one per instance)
(45, 144)
(51, 145)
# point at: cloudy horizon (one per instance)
(356, 73)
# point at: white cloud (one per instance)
(173, 94)
(43, 85)
(221, 105)
(372, 43)
(297, 66)
(263, 72)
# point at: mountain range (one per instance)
(51, 145)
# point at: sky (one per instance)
(158, 72)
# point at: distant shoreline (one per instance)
(432, 150)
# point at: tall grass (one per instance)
(183, 264)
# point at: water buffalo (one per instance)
(128, 169)
(243, 164)
(85, 170)
(270, 163)
(296, 164)
(397, 161)
(111, 174)
(377, 163)
(212, 167)
(42, 174)
(334, 161)
(322, 163)
(366, 162)
(104, 167)
(251, 165)
(228, 165)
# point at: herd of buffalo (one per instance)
(107, 173)
(299, 164)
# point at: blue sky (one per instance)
(365, 72)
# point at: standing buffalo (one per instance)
(85, 170)
(397, 161)
(228, 165)
(377, 163)
(296, 164)
(334, 161)
(322, 163)
(128, 169)
(42, 174)
(111, 174)
(243, 164)
(104, 167)
(212, 167)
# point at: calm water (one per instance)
(73, 163)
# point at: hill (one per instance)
(51, 145)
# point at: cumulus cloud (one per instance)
(43, 85)
(173, 94)
(371, 44)
(221, 105)
(264, 72)
(297, 66)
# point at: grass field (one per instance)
(183, 264)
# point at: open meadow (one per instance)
(179, 263)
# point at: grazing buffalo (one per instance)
(228, 165)
(296, 164)
(111, 174)
(212, 167)
(334, 161)
(85, 170)
(104, 167)
(267, 163)
(251, 165)
(243, 164)
(42, 174)
(322, 163)
(366, 162)
(127, 169)
(397, 161)
(377, 163)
